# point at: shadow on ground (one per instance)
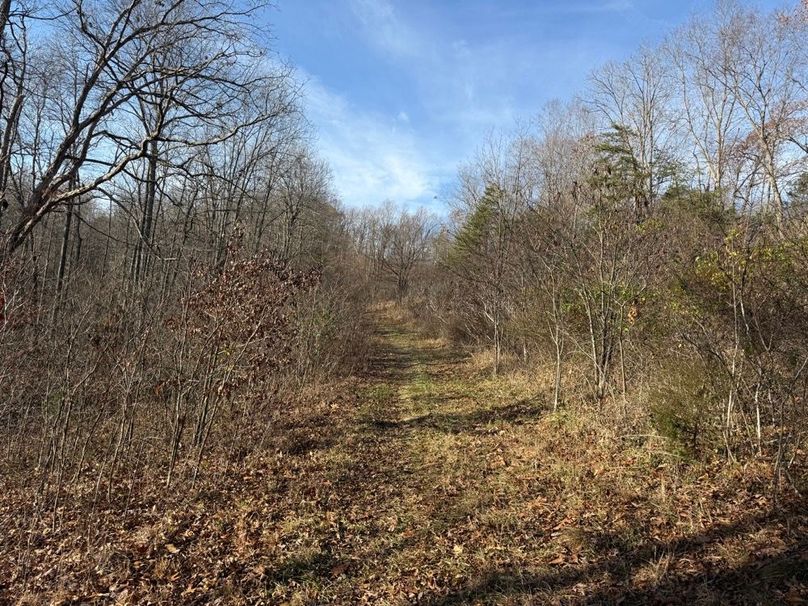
(518, 413)
(760, 580)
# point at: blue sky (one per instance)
(401, 92)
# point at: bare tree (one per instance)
(110, 66)
(404, 242)
(634, 98)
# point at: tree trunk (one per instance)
(60, 273)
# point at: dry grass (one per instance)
(430, 482)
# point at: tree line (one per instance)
(644, 246)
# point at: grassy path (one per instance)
(427, 455)
(425, 481)
(422, 479)
(469, 491)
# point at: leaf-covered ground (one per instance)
(425, 482)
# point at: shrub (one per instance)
(686, 400)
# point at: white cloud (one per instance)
(373, 158)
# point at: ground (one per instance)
(426, 481)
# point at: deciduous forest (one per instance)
(585, 382)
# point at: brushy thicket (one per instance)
(650, 243)
(174, 268)
(112, 388)
(688, 319)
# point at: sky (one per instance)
(401, 92)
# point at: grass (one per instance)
(431, 482)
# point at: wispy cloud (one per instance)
(463, 87)
(417, 84)
(459, 83)
(384, 28)
(373, 157)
